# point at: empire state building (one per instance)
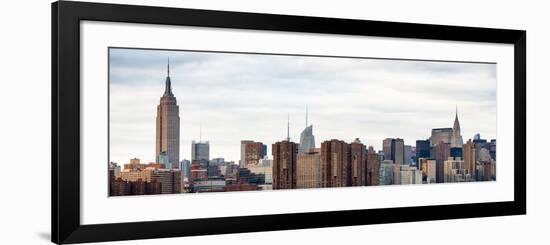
(168, 126)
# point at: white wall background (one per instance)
(25, 121)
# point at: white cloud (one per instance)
(243, 96)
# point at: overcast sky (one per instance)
(236, 97)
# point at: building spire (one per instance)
(456, 125)
(168, 86)
(306, 116)
(288, 128)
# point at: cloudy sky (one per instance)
(235, 97)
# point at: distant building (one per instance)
(284, 164)
(251, 153)
(121, 187)
(200, 151)
(170, 180)
(422, 149)
(399, 153)
(428, 167)
(372, 175)
(164, 160)
(410, 175)
(265, 171)
(114, 170)
(335, 157)
(469, 156)
(456, 136)
(394, 149)
(455, 171)
(358, 158)
(387, 148)
(456, 152)
(477, 136)
(409, 153)
(168, 125)
(485, 169)
(440, 134)
(135, 175)
(184, 167)
(229, 169)
(209, 185)
(307, 140)
(308, 169)
(442, 152)
(386, 172)
(431, 171)
(197, 172)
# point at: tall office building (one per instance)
(469, 156)
(168, 125)
(251, 153)
(387, 148)
(284, 164)
(422, 149)
(372, 175)
(308, 169)
(456, 137)
(399, 151)
(394, 149)
(335, 158)
(408, 154)
(442, 152)
(307, 140)
(358, 158)
(441, 134)
(200, 152)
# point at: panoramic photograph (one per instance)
(184, 121)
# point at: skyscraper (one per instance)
(442, 151)
(307, 140)
(469, 156)
(358, 158)
(456, 137)
(440, 134)
(408, 155)
(387, 146)
(399, 151)
(422, 149)
(372, 175)
(394, 149)
(251, 153)
(200, 152)
(284, 164)
(168, 124)
(308, 169)
(335, 159)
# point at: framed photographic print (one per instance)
(178, 122)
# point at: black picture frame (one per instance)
(65, 200)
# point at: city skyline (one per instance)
(365, 116)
